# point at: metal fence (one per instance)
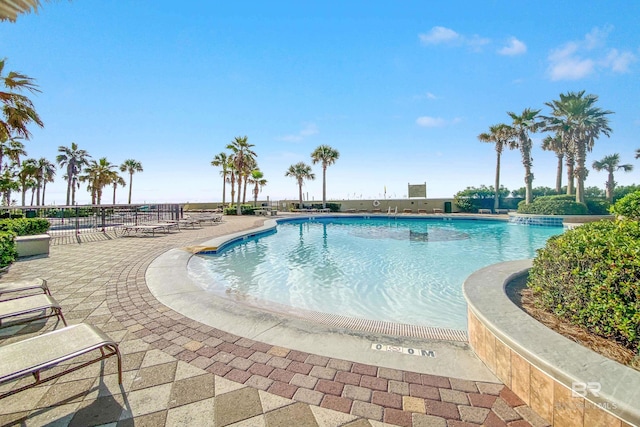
(69, 223)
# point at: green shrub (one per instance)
(598, 206)
(244, 210)
(8, 252)
(25, 226)
(553, 205)
(589, 276)
(628, 206)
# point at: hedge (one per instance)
(628, 207)
(244, 210)
(8, 252)
(589, 276)
(10, 228)
(25, 226)
(553, 205)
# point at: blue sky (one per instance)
(400, 89)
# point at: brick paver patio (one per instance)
(180, 372)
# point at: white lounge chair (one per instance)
(34, 355)
(31, 304)
(11, 288)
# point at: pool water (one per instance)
(399, 270)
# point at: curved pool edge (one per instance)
(168, 280)
(559, 379)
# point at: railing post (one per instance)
(103, 214)
(77, 221)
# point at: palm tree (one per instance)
(8, 183)
(257, 178)
(638, 153)
(10, 148)
(117, 180)
(522, 125)
(241, 150)
(98, 175)
(26, 175)
(581, 123)
(17, 109)
(327, 156)
(222, 160)
(300, 171)
(74, 160)
(611, 163)
(131, 166)
(250, 165)
(555, 144)
(501, 135)
(10, 10)
(46, 172)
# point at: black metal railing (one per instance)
(81, 219)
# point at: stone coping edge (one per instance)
(560, 358)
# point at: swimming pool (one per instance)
(402, 270)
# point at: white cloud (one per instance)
(439, 35)
(310, 129)
(476, 42)
(431, 96)
(514, 47)
(578, 59)
(619, 62)
(443, 35)
(430, 122)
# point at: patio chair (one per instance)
(34, 355)
(27, 305)
(23, 285)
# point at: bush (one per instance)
(598, 206)
(25, 226)
(244, 210)
(628, 206)
(553, 205)
(8, 252)
(589, 276)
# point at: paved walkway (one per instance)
(181, 372)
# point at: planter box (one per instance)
(32, 245)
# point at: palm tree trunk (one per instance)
(496, 199)
(244, 190)
(33, 192)
(68, 190)
(581, 171)
(238, 209)
(224, 186)
(570, 162)
(255, 195)
(44, 187)
(130, 186)
(559, 173)
(528, 177)
(324, 186)
(24, 195)
(300, 194)
(610, 186)
(39, 184)
(114, 193)
(233, 187)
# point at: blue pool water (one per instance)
(399, 270)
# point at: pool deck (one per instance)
(233, 366)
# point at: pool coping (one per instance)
(496, 323)
(168, 280)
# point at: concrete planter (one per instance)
(37, 244)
